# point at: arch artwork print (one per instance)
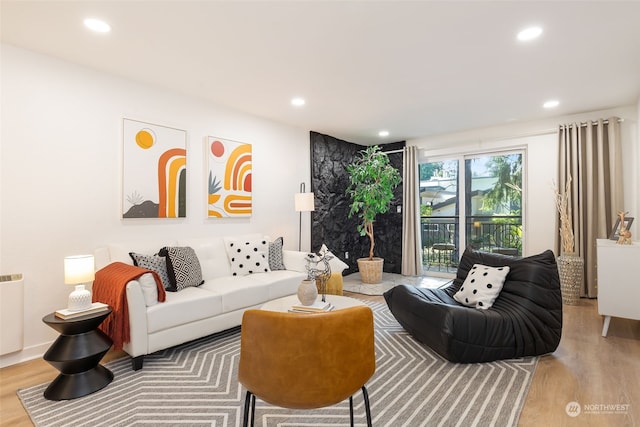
(229, 178)
(154, 171)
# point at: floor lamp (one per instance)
(304, 202)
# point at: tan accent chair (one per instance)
(306, 361)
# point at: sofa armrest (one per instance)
(138, 345)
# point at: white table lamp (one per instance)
(78, 270)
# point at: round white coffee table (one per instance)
(285, 303)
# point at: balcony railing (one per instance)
(498, 234)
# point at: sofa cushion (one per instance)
(275, 255)
(212, 255)
(183, 267)
(238, 292)
(294, 260)
(248, 256)
(155, 263)
(187, 306)
(482, 286)
(280, 283)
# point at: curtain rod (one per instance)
(605, 121)
(537, 133)
(394, 151)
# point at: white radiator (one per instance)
(11, 313)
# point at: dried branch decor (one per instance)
(564, 209)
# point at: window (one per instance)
(481, 192)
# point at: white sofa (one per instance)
(194, 312)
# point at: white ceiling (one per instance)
(415, 68)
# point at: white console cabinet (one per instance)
(618, 281)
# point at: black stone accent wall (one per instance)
(330, 223)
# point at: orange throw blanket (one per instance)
(109, 287)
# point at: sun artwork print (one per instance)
(154, 171)
(229, 178)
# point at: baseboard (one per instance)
(24, 355)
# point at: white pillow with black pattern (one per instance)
(275, 255)
(154, 263)
(248, 256)
(482, 286)
(183, 267)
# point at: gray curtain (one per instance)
(411, 253)
(591, 154)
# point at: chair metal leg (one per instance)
(249, 401)
(366, 405)
(351, 411)
(253, 409)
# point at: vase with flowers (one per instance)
(570, 264)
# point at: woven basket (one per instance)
(370, 270)
(571, 272)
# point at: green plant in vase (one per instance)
(372, 181)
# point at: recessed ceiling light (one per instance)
(529, 33)
(298, 102)
(97, 25)
(383, 133)
(551, 103)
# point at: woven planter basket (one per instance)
(571, 272)
(370, 271)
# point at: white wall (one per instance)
(540, 140)
(61, 173)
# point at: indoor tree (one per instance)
(372, 181)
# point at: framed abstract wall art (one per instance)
(154, 171)
(229, 178)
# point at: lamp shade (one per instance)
(304, 202)
(79, 269)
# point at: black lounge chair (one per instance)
(525, 319)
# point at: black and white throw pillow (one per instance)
(154, 263)
(275, 254)
(248, 256)
(183, 267)
(482, 286)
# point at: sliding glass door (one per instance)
(483, 193)
(439, 213)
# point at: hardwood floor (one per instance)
(600, 374)
(25, 375)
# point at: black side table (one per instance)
(76, 353)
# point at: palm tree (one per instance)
(506, 194)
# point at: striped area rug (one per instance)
(195, 384)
